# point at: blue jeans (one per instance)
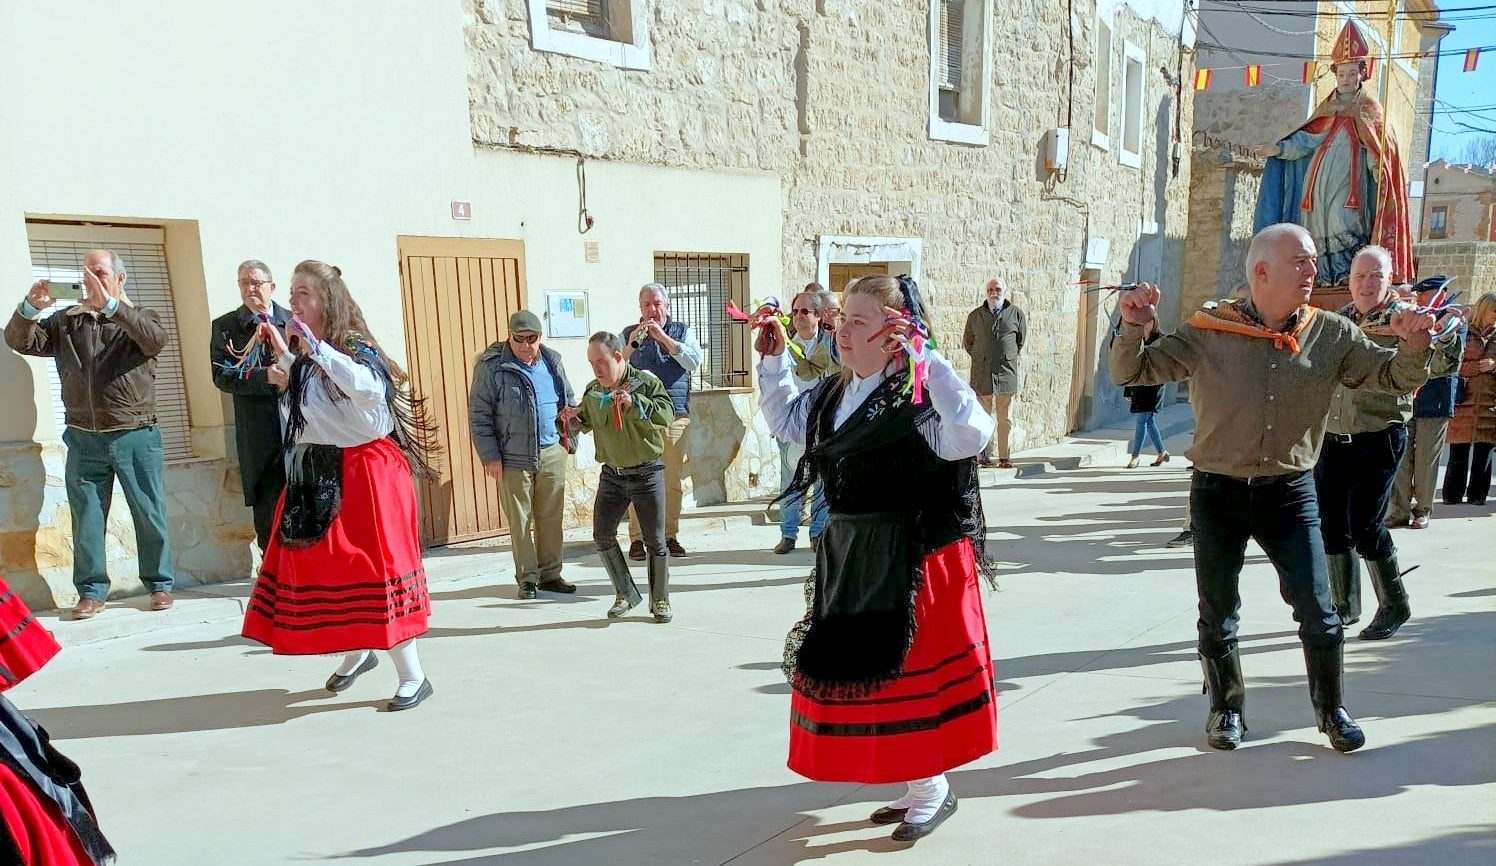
(1282, 514)
(789, 506)
(1143, 424)
(94, 460)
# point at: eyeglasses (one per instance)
(802, 312)
(254, 284)
(533, 338)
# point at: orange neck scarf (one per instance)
(1229, 316)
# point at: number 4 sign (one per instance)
(462, 210)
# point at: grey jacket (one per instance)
(502, 409)
(994, 341)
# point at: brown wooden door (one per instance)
(840, 275)
(458, 295)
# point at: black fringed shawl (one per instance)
(314, 485)
(28, 751)
(894, 502)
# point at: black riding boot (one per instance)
(1326, 665)
(1345, 585)
(1392, 600)
(626, 595)
(659, 588)
(1228, 700)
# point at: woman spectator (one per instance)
(343, 572)
(1142, 401)
(1472, 430)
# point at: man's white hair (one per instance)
(651, 288)
(1377, 250)
(1265, 241)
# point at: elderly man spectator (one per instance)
(667, 348)
(105, 350)
(1366, 437)
(519, 390)
(255, 383)
(627, 411)
(994, 336)
(1264, 371)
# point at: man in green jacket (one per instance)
(627, 411)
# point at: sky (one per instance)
(1464, 90)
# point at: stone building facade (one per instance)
(1457, 203)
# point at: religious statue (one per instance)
(1339, 175)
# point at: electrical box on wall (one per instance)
(1057, 149)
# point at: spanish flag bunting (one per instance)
(1472, 57)
(1371, 67)
(1254, 75)
(1202, 79)
(1309, 70)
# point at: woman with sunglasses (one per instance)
(814, 356)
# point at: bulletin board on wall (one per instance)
(567, 314)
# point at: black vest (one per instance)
(651, 356)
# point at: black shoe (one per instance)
(636, 551)
(673, 546)
(526, 590)
(558, 585)
(907, 832)
(888, 815)
(337, 682)
(1183, 539)
(399, 703)
(785, 545)
(1345, 735)
(1477, 502)
(1224, 730)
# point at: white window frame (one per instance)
(1102, 138)
(1133, 113)
(859, 250)
(940, 128)
(624, 55)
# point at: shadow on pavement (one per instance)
(191, 713)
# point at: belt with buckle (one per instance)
(641, 469)
(1341, 438)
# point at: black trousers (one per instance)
(1354, 480)
(1282, 515)
(1468, 473)
(616, 491)
(267, 494)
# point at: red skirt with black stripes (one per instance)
(362, 586)
(24, 645)
(940, 714)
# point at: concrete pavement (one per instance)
(556, 737)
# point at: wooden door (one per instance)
(458, 295)
(840, 275)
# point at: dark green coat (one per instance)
(994, 341)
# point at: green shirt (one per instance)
(1261, 410)
(1357, 410)
(641, 436)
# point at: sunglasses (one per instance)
(527, 340)
(801, 312)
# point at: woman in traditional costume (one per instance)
(45, 816)
(343, 571)
(890, 668)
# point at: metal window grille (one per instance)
(148, 287)
(700, 286)
(580, 16)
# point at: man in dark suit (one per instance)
(256, 388)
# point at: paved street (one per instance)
(555, 737)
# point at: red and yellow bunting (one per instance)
(1472, 57)
(1254, 75)
(1202, 79)
(1310, 70)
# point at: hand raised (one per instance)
(1139, 305)
(1413, 328)
(271, 336)
(38, 297)
(95, 297)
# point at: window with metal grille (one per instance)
(700, 286)
(57, 253)
(580, 16)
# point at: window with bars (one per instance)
(57, 253)
(700, 286)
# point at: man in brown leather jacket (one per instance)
(105, 350)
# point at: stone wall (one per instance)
(210, 529)
(833, 96)
(1223, 204)
(1251, 117)
(1473, 263)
